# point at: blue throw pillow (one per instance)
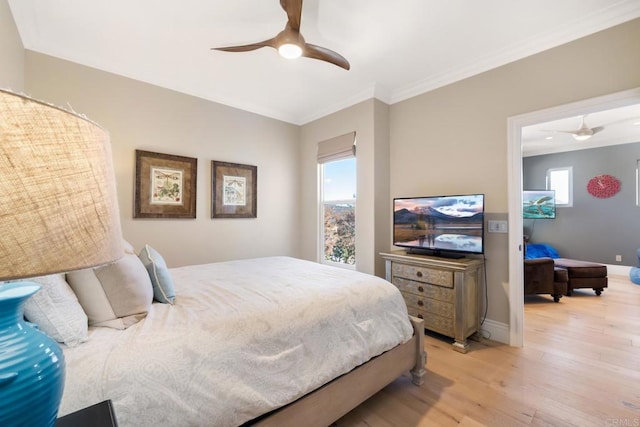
(540, 250)
(163, 289)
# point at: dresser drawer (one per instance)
(423, 274)
(434, 322)
(444, 309)
(445, 293)
(428, 291)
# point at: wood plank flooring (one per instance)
(580, 366)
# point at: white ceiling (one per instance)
(621, 126)
(396, 49)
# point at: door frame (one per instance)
(514, 160)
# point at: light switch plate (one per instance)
(498, 226)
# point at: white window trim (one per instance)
(320, 221)
(338, 264)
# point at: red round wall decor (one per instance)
(603, 186)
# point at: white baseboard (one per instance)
(619, 270)
(495, 331)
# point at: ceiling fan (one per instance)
(290, 43)
(584, 132)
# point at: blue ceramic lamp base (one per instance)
(31, 364)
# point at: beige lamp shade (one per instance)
(58, 204)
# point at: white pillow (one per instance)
(56, 310)
(117, 295)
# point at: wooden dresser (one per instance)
(444, 292)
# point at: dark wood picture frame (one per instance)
(234, 190)
(165, 185)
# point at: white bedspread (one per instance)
(244, 337)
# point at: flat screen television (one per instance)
(538, 204)
(446, 226)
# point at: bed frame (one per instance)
(330, 402)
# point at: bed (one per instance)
(267, 341)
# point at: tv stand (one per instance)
(446, 293)
(434, 252)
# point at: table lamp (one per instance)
(58, 212)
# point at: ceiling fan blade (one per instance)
(324, 54)
(562, 131)
(290, 35)
(294, 12)
(625, 120)
(583, 130)
(248, 47)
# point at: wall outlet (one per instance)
(618, 258)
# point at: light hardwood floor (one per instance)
(580, 366)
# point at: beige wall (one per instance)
(382, 202)
(11, 52)
(372, 179)
(450, 140)
(142, 116)
(453, 140)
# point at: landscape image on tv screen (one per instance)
(538, 204)
(447, 223)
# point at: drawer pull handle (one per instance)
(420, 303)
(420, 316)
(419, 274)
(420, 289)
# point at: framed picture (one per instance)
(233, 190)
(165, 186)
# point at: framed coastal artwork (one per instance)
(165, 185)
(233, 190)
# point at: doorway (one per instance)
(514, 149)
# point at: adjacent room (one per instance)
(258, 213)
(572, 170)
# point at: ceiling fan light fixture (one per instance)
(581, 137)
(290, 43)
(290, 50)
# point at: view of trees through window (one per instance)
(339, 211)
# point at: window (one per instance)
(637, 182)
(337, 177)
(338, 211)
(561, 180)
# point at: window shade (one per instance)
(338, 148)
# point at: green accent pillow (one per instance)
(163, 289)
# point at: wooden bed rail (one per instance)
(327, 404)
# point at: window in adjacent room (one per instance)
(561, 180)
(337, 175)
(637, 182)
